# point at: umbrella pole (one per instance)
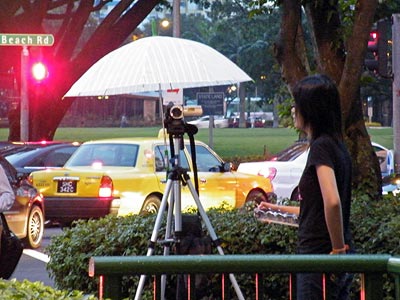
(164, 130)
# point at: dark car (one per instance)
(31, 158)
(26, 216)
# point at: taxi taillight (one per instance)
(106, 187)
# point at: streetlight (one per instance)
(164, 24)
(230, 90)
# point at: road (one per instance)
(32, 265)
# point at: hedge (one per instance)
(376, 228)
(26, 290)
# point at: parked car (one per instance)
(256, 122)
(285, 169)
(51, 155)
(26, 216)
(204, 122)
(386, 159)
(128, 175)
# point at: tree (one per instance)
(247, 42)
(79, 43)
(339, 35)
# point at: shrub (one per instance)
(375, 226)
(373, 124)
(13, 289)
(70, 252)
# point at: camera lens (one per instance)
(176, 112)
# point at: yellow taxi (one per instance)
(130, 175)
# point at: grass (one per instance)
(227, 142)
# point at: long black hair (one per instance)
(317, 101)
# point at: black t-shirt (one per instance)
(313, 235)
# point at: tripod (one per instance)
(172, 192)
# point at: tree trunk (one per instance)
(342, 61)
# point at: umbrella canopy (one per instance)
(157, 63)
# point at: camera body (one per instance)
(174, 117)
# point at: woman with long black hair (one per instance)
(325, 186)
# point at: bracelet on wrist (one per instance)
(340, 250)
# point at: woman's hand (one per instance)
(265, 205)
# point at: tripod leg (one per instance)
(168, 235)
(213, 235)
(153, 239)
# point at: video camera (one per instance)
(174, 118)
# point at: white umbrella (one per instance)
(157, 63)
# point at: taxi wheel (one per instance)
(35, 228)
(151, 205)
(254, 198)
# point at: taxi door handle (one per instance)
(203, 180)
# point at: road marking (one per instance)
(37, 255)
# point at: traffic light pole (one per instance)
(24, 40)
(396, 89)
(24, 118)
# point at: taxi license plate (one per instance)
(66, 186)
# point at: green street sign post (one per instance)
(14, 39)
(25, 41)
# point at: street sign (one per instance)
(173, 95)
(212, 103)
(14, 39)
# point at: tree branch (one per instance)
(76, 24)
(364, 15)
(285, 48)
(106, 33)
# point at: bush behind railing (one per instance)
(376, 228)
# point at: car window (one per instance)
(377, 148)
(9, 170)
(118, 155)
(206, 161)
(58, 157)
(292, 152)
(18, 156)
(162, 157)
(54, 158)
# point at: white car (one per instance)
(285, 169)
(204, 122)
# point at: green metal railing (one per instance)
(112, 268)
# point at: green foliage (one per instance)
(373, 124)
(13, 289)
(376, 225)
(70, 252)
(375, 228)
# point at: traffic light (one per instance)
(377, 58)
(39, 71)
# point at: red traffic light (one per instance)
(373, 41)
(377, 58)
(39, 71)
